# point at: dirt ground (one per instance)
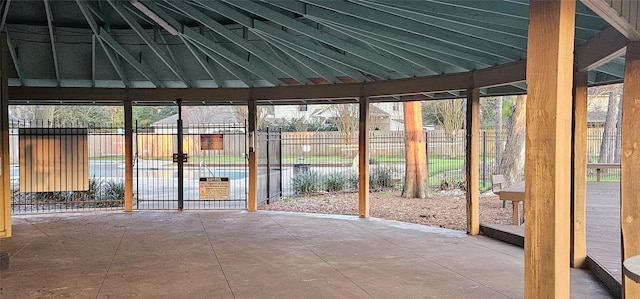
(445, 209)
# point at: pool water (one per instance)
(111, 170)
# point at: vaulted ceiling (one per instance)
(238, 44)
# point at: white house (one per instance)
(384, 116)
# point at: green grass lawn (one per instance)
(608, 178)
(386, 159)
(316, 159)
(439, 164)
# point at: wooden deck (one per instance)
(603, 226)
(603, 232)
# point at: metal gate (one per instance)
(214, 172)
(269, 165)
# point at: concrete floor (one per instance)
(237, 254)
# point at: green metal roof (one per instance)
(236, 44)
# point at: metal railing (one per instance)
(603, 149)
(270, 174)
(60, 167)
(214, 152)
(72, 167)
(328, 161)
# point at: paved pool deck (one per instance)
(264, 254)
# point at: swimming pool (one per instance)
(116, 170)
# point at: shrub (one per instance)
(335, 182)
(100, 194)
(112, 190)
(306, 182)
(381, 177)
(450, 184)
(94, 188)
(353, 181)
(110, 194)
(61, 196)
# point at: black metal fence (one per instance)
(57, 167)
(72, 167)
(215, 171)
(270, 172)
(62, 167)
(603, 149)
(328, 161)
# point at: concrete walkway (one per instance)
(236, 254)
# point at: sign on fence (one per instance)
(211, 142)
(214, 188)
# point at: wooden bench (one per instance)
(601, 166)
(515, 194)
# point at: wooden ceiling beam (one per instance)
(613, 17)
(605, 46)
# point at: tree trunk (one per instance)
(498, 129)
(416, 174)
(512, 162)
(616, 155)
(464, 126)
(608, 140)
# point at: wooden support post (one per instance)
(630, 164)
(579, 171)
(128, 156)
(363, 159)
(5, 182)
(548, 148)
(472, 156)
(253, 158)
